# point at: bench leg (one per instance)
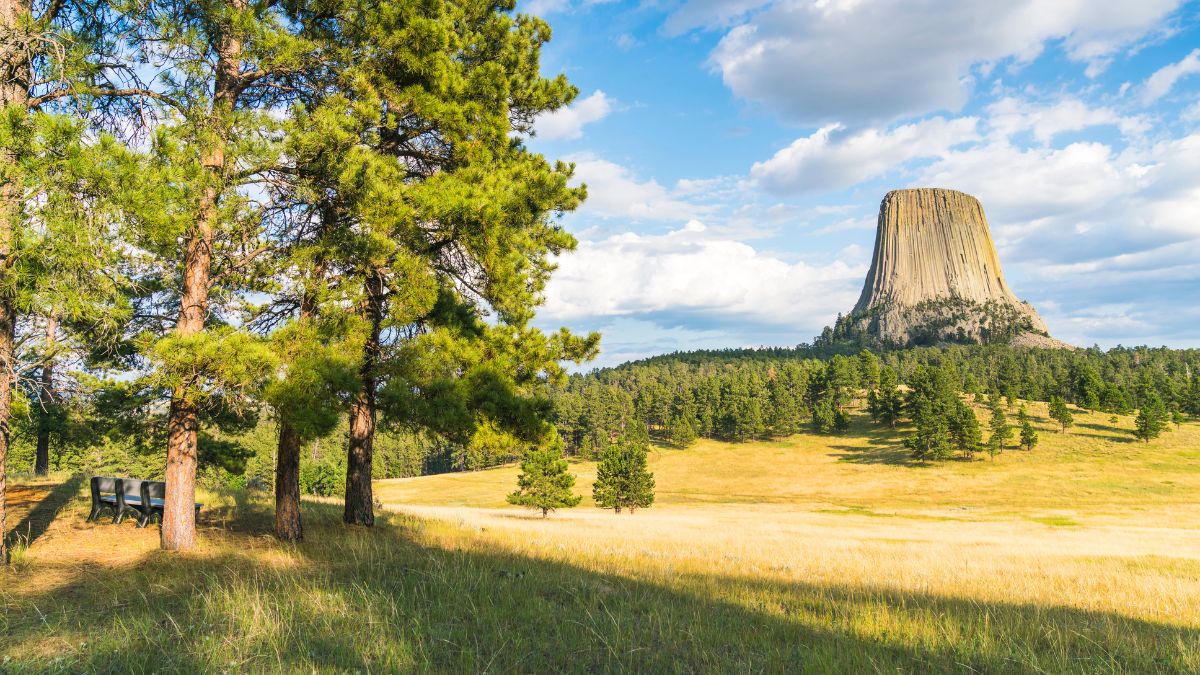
(94, 514)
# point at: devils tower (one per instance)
(935, 277)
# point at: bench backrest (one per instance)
(123, 488)
(130, 487)
(153, 489)
(102, 484)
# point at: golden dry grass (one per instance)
(811, 554)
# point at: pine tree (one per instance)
(889, 402)
(841, 420)
(1060, 413)
(681, 428)
(825, 415)
(60, 53)
(622, 480)
(544, 482)
(1029, 437)
(1193, 396)
(1177, 418)
(933, 406)
(447, 216)
(230, 65)
(1151, 418)
(1000, 429)
(869, 369)
(964, 428)
(786, 402)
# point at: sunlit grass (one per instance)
(825, 554)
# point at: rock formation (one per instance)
(935, 277)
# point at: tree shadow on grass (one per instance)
(1105, 427)
(37, 520)
(389, 600)
(884, 446)
(1104, 437)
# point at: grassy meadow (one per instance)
(808, 554)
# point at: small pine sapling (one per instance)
(544, 482)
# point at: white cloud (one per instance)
(544, 7)
(1010, 116)
(1163, 79)
(568, 123)
(827, 160)
(695, 272)
(614, 192)
(626, 41)
(1087, 214)
(858, 61)
(708, 14)
(1017, 184)
(848, 225)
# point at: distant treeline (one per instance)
(743, 394)
(731, 395)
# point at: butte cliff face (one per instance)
(935, 277)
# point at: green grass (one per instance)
(1056, 521)
(834, 555)
(397, 599)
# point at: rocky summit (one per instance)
(935, 277)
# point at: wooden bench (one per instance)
(129, 496)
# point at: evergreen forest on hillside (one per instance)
(744, 394)
(734, 395)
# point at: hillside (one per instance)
(1095, 472)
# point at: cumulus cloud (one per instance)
(615, 192)
(828, 160)
(859, 61)
(1010, 116)
(1108, 214)
(568, 123)
(1164, 79)
(694, 273)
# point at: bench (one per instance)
(129, 496)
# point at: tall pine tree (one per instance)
(60, 54)
(622, 479)
(445, 218)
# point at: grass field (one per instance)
(813, 553)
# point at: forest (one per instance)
(730, 395)
(232, 225)
(746, 394)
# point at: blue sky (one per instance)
(735, 154)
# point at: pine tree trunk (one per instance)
(288, 526)
(14, 91)
(41, 462)
(359, 499)
(183, 426)
(7, 322)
